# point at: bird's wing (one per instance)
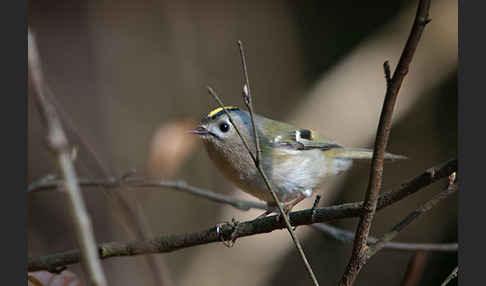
(303, 139)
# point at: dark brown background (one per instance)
(130, 77)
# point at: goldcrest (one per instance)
(296, 161)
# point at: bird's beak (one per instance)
(201, 130)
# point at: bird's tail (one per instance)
(362, 153)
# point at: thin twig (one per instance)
(428, 177)
(268, 224)
(347, 236)
(358, 256)
(247, 98)
(122, 209)
(151, 183)
(450, 277)
(59, 144)
(386, 69)
(220, 103)
(374, 248)
(265, 179)
(249, 104)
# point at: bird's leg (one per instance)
(272, 208)
(292, 204)
(287, 208)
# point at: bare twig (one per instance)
(428, 177)
(373, 249)
(248, 101)
(59, 144)
(170, 243)
(247, 98)
(151, 183)
(348, 236)
(450, 277)
(123, 210)
(265, 179)
(386, 69)
(358, 256)
(220, 103)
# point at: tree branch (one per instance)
(358, 256)
(348, 236)
(387, 237)
(170, 243)
(58, 143)
(450, 277)
(244, 205)
(265, 179)
(248, 99)
(428, 177)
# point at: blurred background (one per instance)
(129, 80)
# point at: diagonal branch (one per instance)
(450, 277)
(58, 142)
(265, 179)
(163, 244)
(348, 236)
(248, 101)
(387, 237)
(358, 256)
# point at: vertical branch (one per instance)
(257, 159)
(248, 99)
(265, 179)
(220, 103)
(58, 142)
(358, 256)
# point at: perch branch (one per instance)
(58, 143)
(358, 255)
(170, 243)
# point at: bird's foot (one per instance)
(233, 236)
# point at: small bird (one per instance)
(295, 160)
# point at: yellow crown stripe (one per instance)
(219, 109)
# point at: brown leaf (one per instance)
(171, 145)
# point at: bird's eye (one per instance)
(224, 127)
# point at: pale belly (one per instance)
(300, 173)
(291, 173)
